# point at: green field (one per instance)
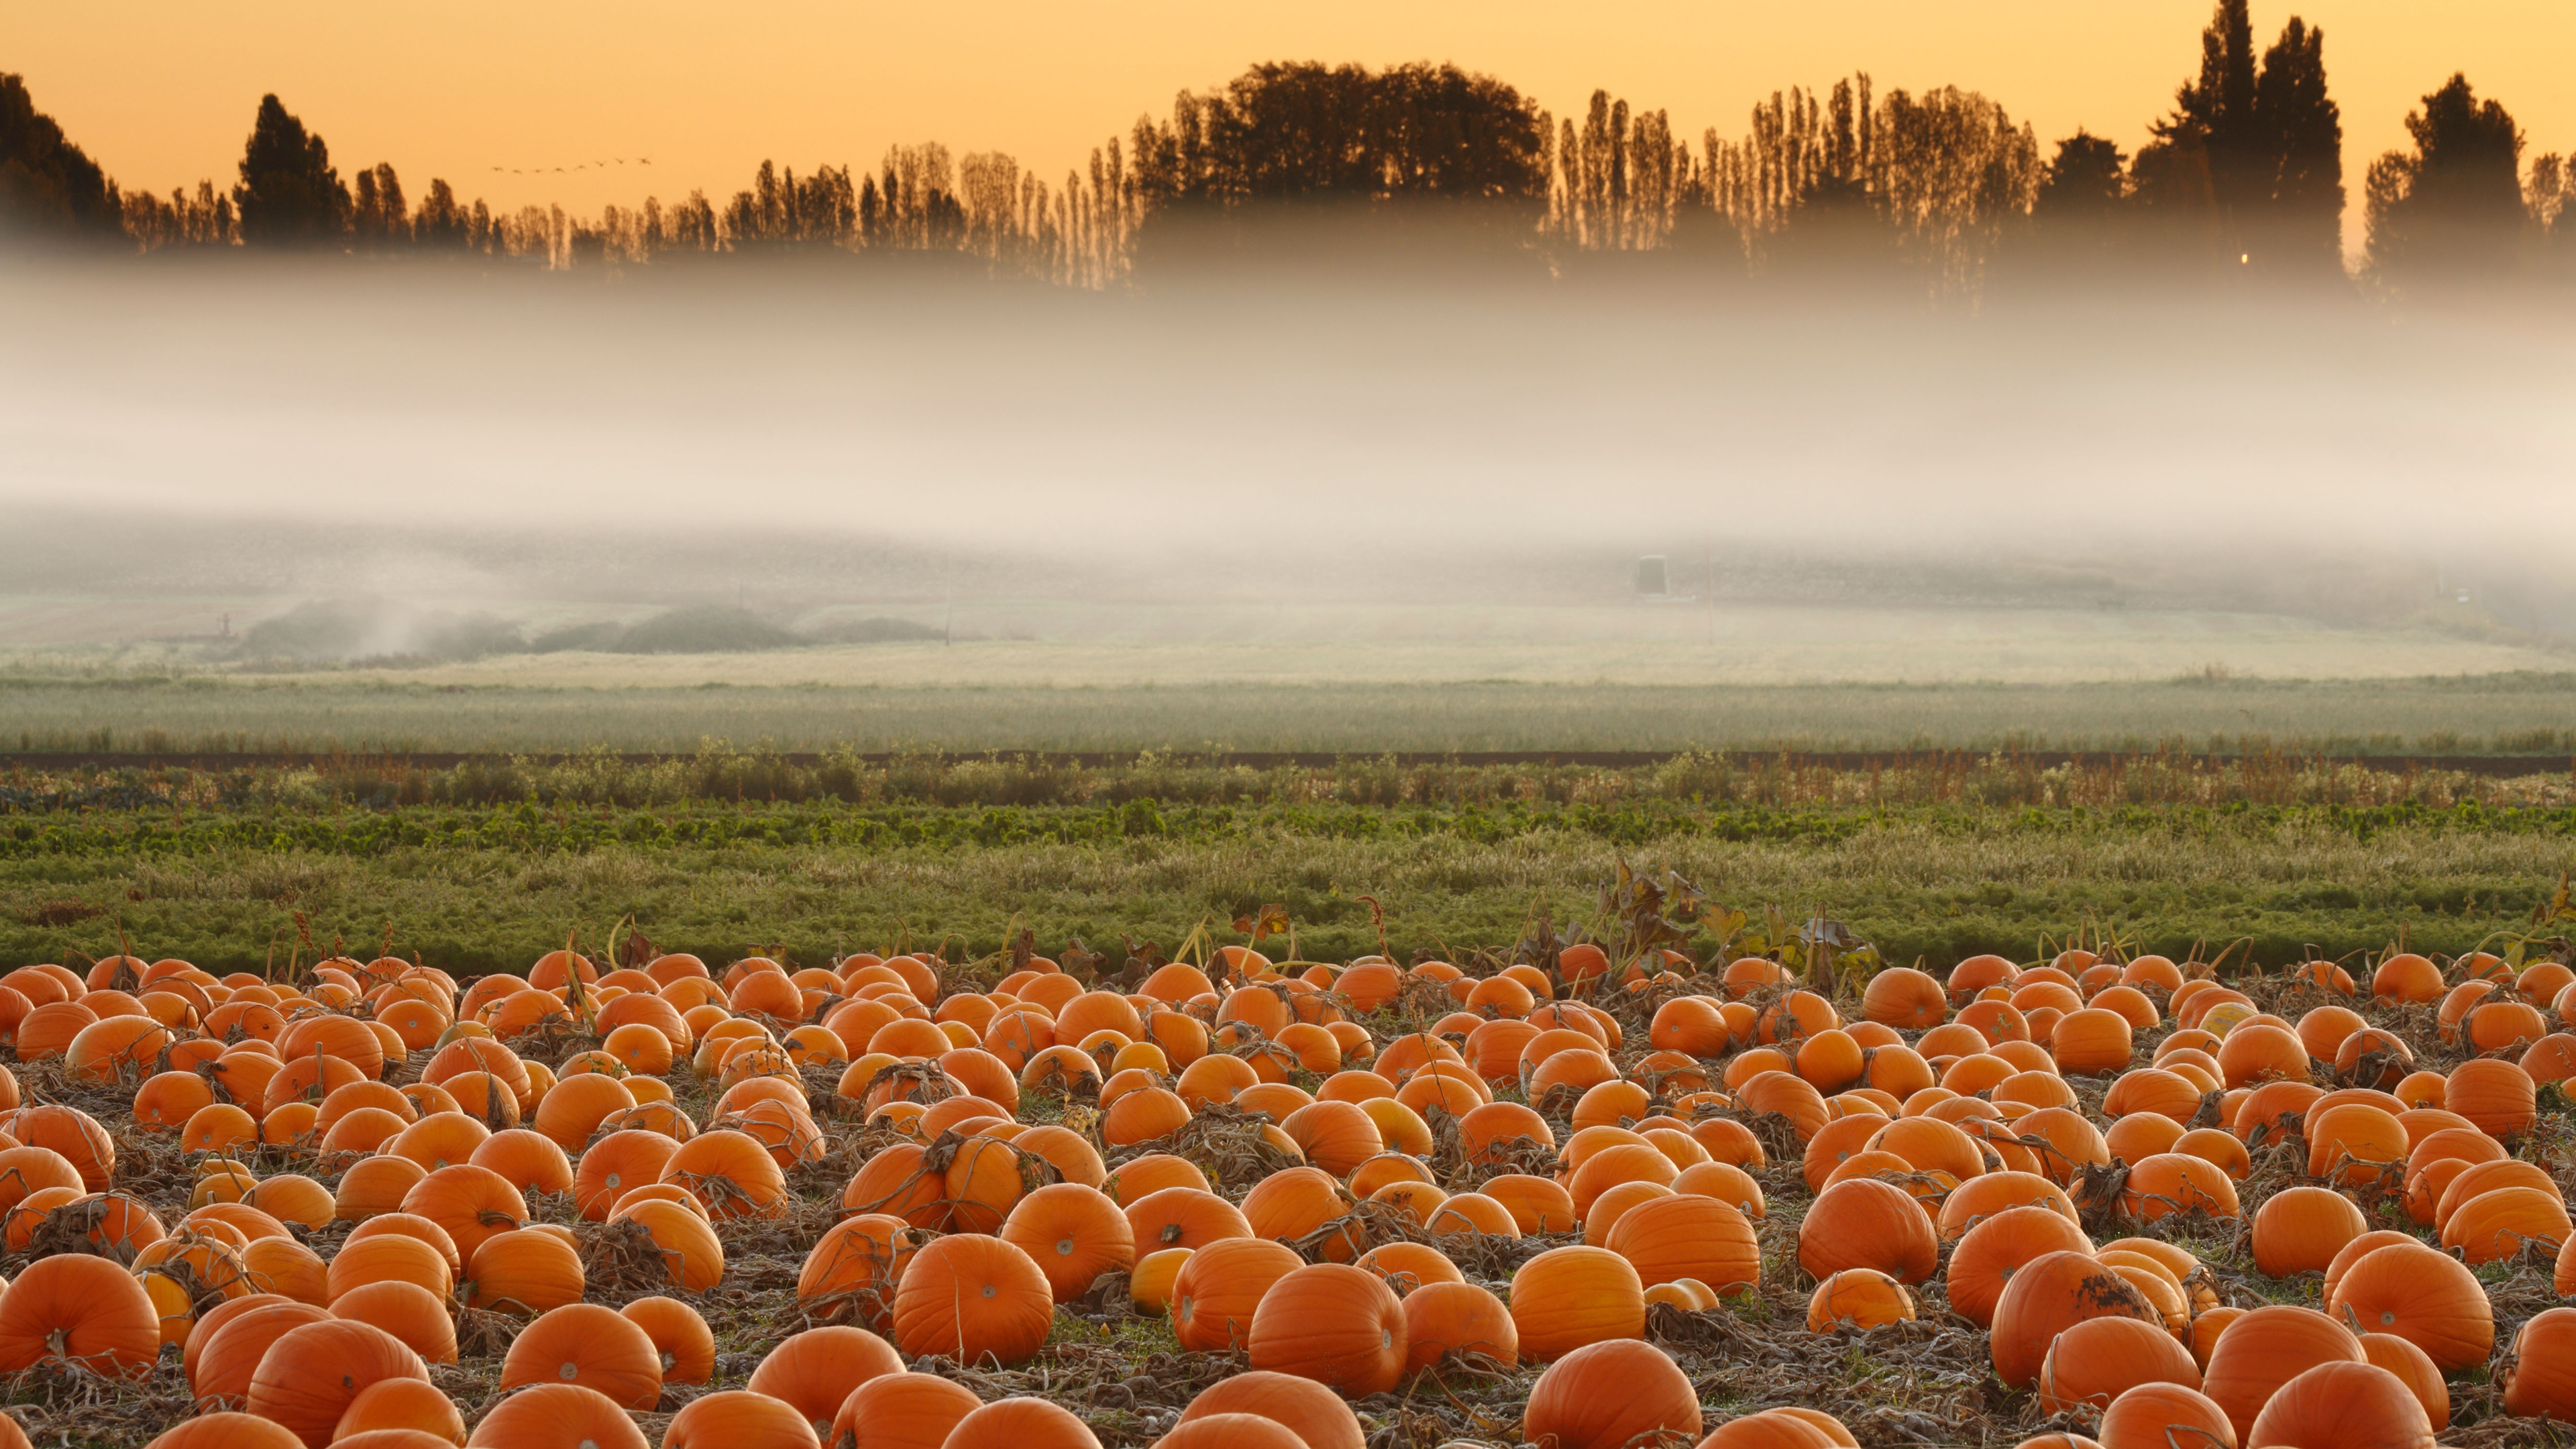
(252, 870)
(2520, 713)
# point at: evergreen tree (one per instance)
(289, 194)
(2264, 143)
(48, 186)
(2085, 183)
(441, 225)
(2455, 204)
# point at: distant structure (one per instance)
(1653, 579)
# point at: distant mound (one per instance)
(702, 629)
(872, 631)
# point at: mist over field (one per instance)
(1281, 429)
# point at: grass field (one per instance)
(622, 707)
(485, 888)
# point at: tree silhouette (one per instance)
(48, 186)
(441, 225)
(289, 194)
(2260, 146)
(2085, 183)
(2455, 203)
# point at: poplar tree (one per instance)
(289, 194)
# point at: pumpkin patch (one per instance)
(904, 1202)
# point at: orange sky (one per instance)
(161, 91)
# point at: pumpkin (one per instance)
(1774, 1429)
(470, 1203)
(2162, 1415)
(1074, 1233)
(387, 1258)
(1335, 1324)
(1567, 1297)
(2498, 1097)
(310, 1375)
(2267, 1348)
(2411, 1365)
(2099, 1359)
(2359, 1248)
(2425, 1297)
(1441, 1319)
(376, 1185)
(1609, 1395)
(401, 1404)
(81, 1310)
(967, 1297)
(1021, 1423)
(1226, 1431)
(1861, 1298)
(2342, 1405)
(2540, 1376)
(851, 1272)
(1689, 1237)
(692, 1255)
(1989, 1253)
(216, 1431)
(2174, 1182)
(619, 1161)
(815, 1370)
(1315, 1414)
(2049, 1295)
(732, 1175)
(227, 1344)
(405, 1310)
(2356, 1144)
(739, 1419)
(1182, 1217)
(900, 1411)
(551, 1414)
(2300, 1229)
(524, 1272)
(1296, 1202)
(2497, 1224)
(681, 1339)
(591, 1345)
(1862, 1222)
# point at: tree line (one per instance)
(1940, 188)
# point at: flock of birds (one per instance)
(584, 166)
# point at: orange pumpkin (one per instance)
(2049, 1295)
(1862, 1222)
(79, 1310)
(2540, 1377)
(590, 1345)
(1567, 1297)
(2425, 1297)
(814, 1371)
(2161, 1415)
(1074, 1233)
(966, 1296)
(901, 1411)
(1612, 1394)
(557, 1414)
(2099, 1359)
(401, 1403)
(2348, 1405)
(407, 1311)
(1021, 1423)
(1332, 1323)
(2300, 1229)
(1214, 1296)
(309, 1376)
(2267, 1348)
(681, 1339)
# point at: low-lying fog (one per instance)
(339, 428)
